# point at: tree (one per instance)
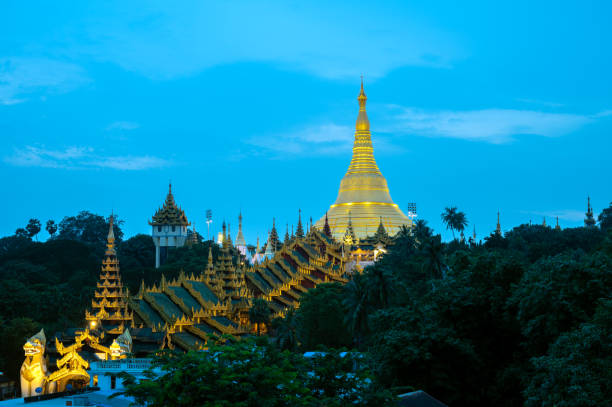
(259, 314)
(51, 227)
(285, 329)
(33, 227)
(605, 218)
(252, 372)
(87, 227)
(557, 294)
(356, 304)
(21, 232)
(454, 220)
(576, 369)
(242, 373)
(321, 318)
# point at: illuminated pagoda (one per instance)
(363, 190)
(169, 228)
(109, 305)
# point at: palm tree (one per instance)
(433, 250)
(381, 286)
(259, 314)
(286, 329)
(357, 305)
(454, 220)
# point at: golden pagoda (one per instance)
(109, 305)
(364, 197)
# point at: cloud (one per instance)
(539, 102)
(314, 140)
(80, 158)
(489, 125)
(21, 77)
(123, 125)
(130, 163)
(565, 214)
(163, 41)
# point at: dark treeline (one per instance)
(520, 319)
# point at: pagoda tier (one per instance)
(109, 305)
(363, 198)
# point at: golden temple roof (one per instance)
(169, 213)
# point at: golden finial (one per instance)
(363, 123)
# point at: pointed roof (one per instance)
(110, 239)
(349, 234)
(326, 228)
(269, 249)
(498, 228)
(240, 237)
(274, 236)
(381, 233)
(589, 220)
(169, 213)
(300, 229)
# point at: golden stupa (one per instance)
(363, 199)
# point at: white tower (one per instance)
(169, 228)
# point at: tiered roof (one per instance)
(109, 305)
(297, 267)
(169, 213)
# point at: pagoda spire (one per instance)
(300, 229)
(326, 228)
(589, 220)
(363, 188)
(349, 235)
(498, 228)
(544, 221)
(274, 236)
(210, 257)
(287, 237)
(240, 241)
(110, 239)
(557, 227)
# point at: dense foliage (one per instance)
(523, 319)
(255, 373)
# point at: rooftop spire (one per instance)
(110, 240)
(326, 228)
(557, 227)
(498, 228)
(589, 220)
(300, 229)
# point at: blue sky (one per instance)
(251, 106)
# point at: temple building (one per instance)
(364, 196)
(169, 228)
